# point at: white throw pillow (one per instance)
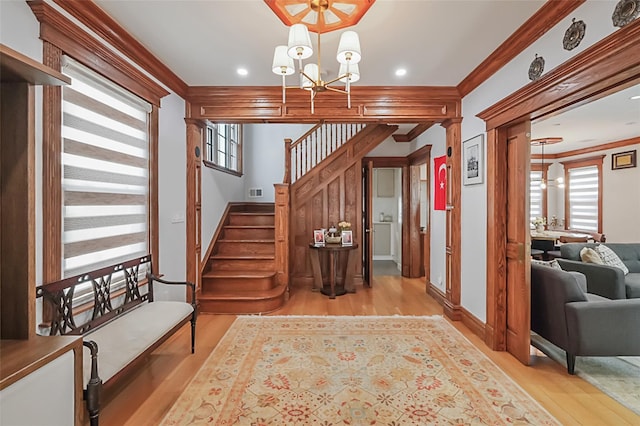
(609, 257)
(551, 263)
(589, 255)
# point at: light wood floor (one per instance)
(148, 395)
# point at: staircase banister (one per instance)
(310, 132)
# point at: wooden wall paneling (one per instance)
(282, 227)
(609, 65)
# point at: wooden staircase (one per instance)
(240, 275)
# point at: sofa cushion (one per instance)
(629, 253)
(609, 257)
(632, 285)
(120, 341)
(589, 255)
(595, 297)
(549, 263)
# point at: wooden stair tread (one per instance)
(247, 241)
(244, 256)
(243, 295)
(238, 274)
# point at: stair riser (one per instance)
(240, 284)
(245, 248)
(253, 219)
(240, 306)
(241, 265)
(249, 234)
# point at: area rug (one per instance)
(618, 377)
(305, 370)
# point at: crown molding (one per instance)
(535, 27)
(98, 21)
(603, 147)
(414, 133)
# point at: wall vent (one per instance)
(255, 192)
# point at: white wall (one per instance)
(620, 196)
(264, 156)
(596, 15)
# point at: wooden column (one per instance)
(194, 201)
(282, 233)
(452, 306)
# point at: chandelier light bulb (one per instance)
(299, 46)
(349, 48)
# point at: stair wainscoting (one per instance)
(240, 274)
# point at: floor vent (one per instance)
(255, 192)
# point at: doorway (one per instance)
(387, 221)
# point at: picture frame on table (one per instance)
(623, 160)
(347, 238)
(318, 237)
(473, 160)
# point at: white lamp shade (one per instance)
(353, 69)
(312, 71)
(282, 63)
(349, 47)
(299, 42)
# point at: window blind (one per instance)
(535, 195)
(583, 198)
(105, 161)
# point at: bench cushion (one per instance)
(120, 341)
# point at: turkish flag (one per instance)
(440, 183)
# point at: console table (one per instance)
(334, 251)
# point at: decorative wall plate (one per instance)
(536, 68)
(574, 34)
(625, 12)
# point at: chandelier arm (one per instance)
(335, 89)
(335, 79)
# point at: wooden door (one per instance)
(367, 224)
(518, 242)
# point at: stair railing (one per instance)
(315, 146)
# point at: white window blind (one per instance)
(105, 160)
(583, 198)
(535, 195)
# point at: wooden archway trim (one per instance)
(607, 66)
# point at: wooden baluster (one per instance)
(287, 161)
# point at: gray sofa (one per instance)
(580, 323)
(606, 281)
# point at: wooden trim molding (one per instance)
(420, 155)
(544, 168)
(263, 104)
(609, 65)
(414, 133)
(535, 27)
(583, 162)
(75, 42)
(98, 21)
(437, 294)
(378, 162)
(476, 326)
(604, 68)
(596, 148)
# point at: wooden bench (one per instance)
(118, 330)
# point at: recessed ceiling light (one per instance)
(400, 72)
(243, 71)
(636, 97)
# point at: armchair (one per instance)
(580, 323)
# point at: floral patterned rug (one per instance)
(307, 370)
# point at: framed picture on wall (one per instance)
(623, 160)
(473, 160)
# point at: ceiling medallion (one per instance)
(320, 16)
(625, 12)
(536, 68)
(574, 34)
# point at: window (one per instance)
(105, 172)
(224, 147)
(583, 197)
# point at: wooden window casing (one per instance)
(223, 147)
(570, 167)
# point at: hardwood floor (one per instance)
(148, 395)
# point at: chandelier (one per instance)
(318, 16)
(541, 142)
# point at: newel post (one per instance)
(287, 161)
(282, 232)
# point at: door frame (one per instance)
(610, 65)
